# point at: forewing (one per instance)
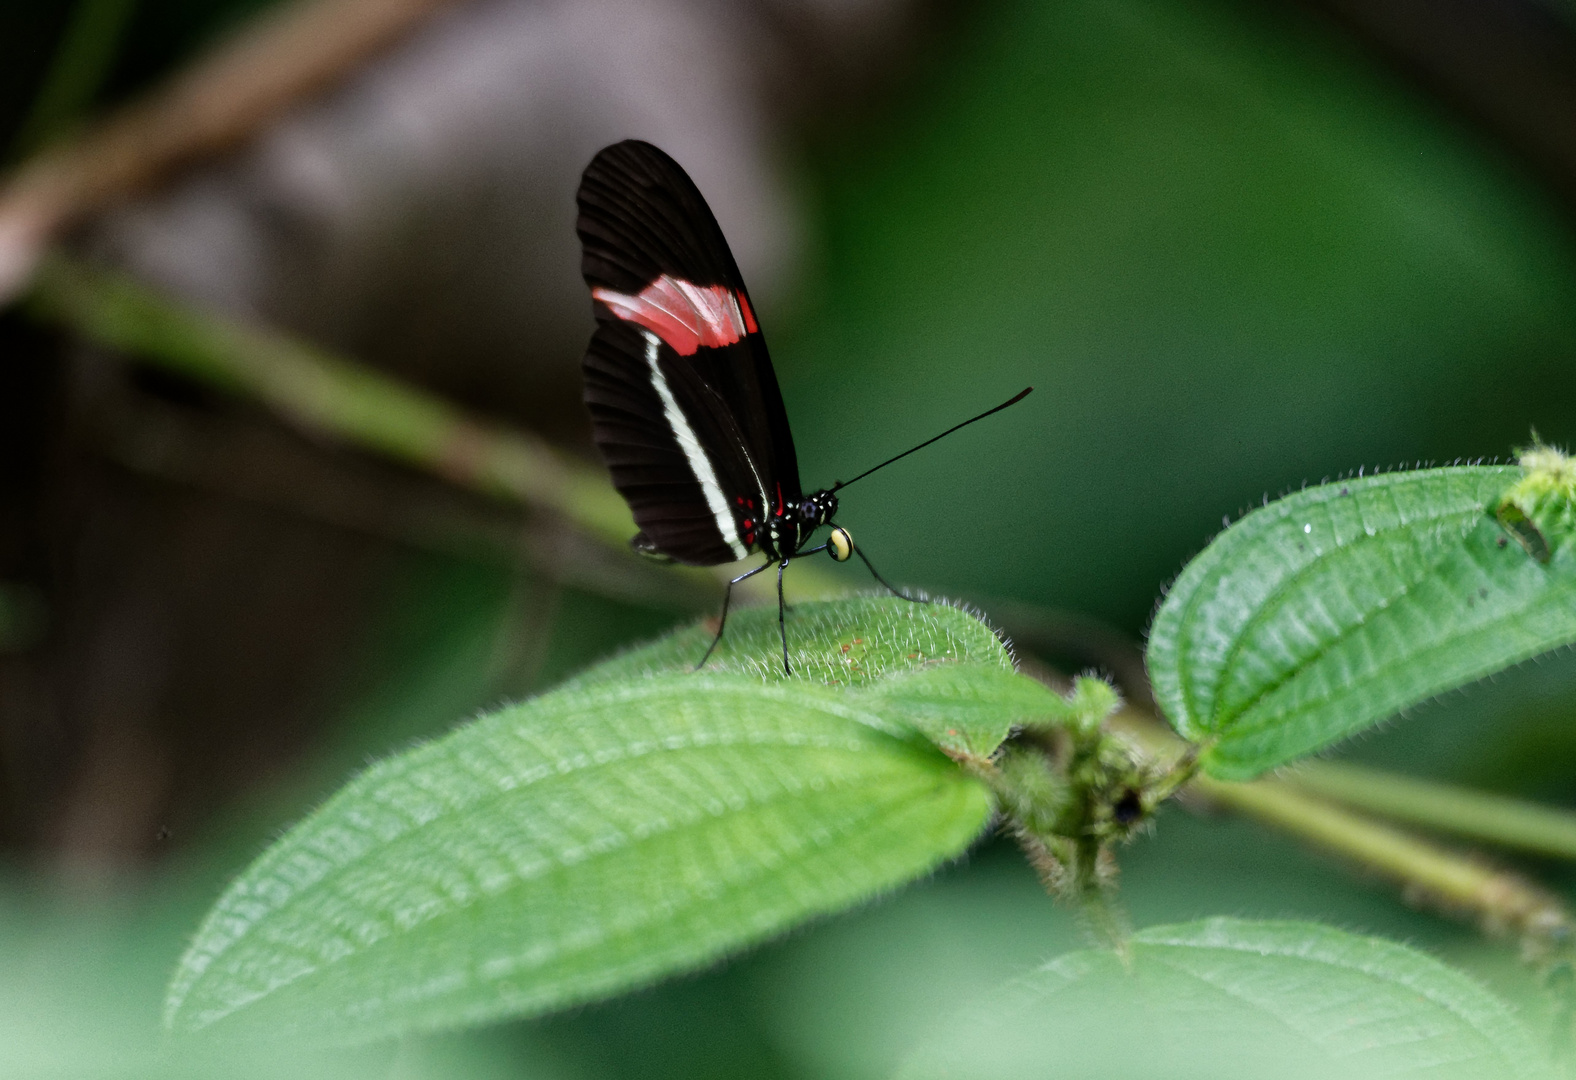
(657, 262)
(641, 217)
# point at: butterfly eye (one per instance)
(840, 545)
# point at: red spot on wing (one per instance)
(683, 315)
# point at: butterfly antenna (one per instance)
(1010, 401)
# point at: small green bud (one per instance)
(1032, 793)
(1538, 508)
(1092, 700)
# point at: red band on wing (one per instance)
(684, 316)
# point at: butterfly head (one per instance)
(816, 510)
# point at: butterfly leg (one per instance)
(727, 598)
(885, 583)
(782, 622)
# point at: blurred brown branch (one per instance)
(328, 395)
(212, 106)
(268, 467)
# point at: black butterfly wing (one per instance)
(684, 402)
(699, 515)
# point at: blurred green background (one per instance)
(1236, 247)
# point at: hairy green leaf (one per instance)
(933, 667)
(570, 847)
(1225, 999)
(1332, 609)
(968, 707)
(848, 642)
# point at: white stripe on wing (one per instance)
(699, 463)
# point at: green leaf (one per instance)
(1224, 998)
(968, 708)
(580, 844)
(848, 642)
(934, 667)
(1328, 611)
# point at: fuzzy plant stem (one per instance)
(1502, 902)
(1499, 901)
(1475, 815)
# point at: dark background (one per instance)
(1236, 247)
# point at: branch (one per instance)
(238, 89)
(1499, 901)
(1494, 819)
(1502, 902)
(327, 395)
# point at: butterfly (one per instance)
(684, 401)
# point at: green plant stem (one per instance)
(331, 396)
(1501, 902)
(1178, 775)
(81, 63)
(1106, 920)
(1442, 808)
(325, 394)
(1477, 815)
